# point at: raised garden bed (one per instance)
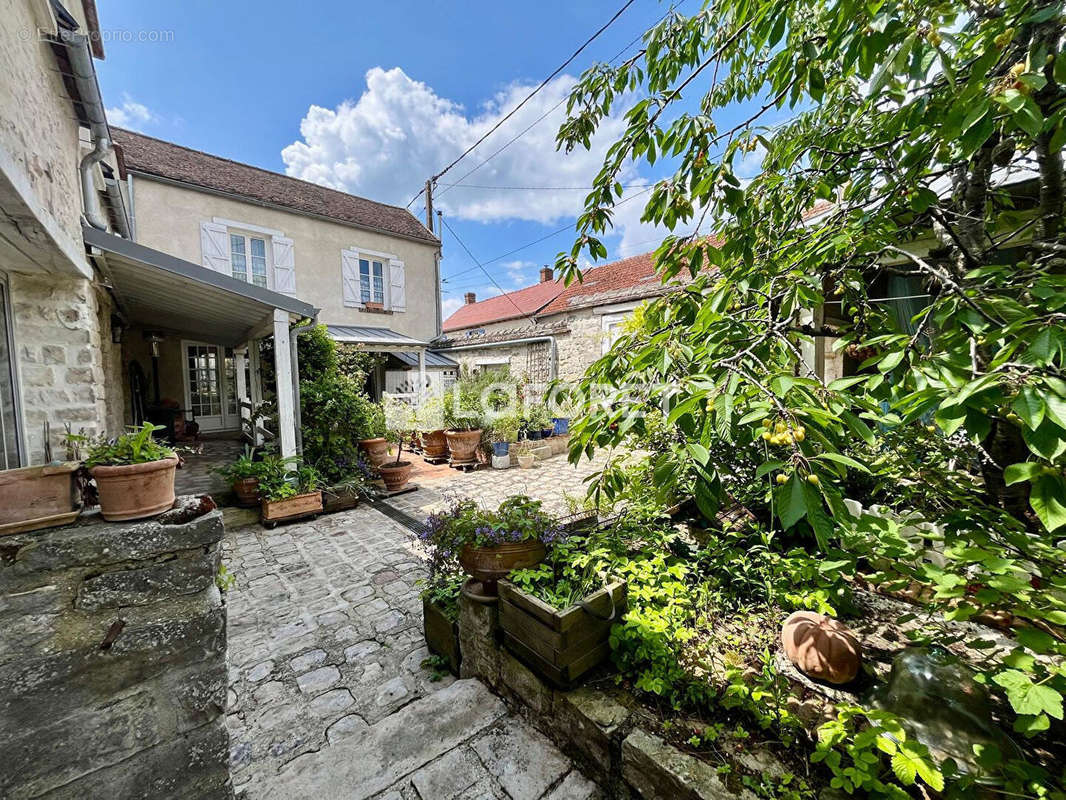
(560, 646)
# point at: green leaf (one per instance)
(1030, 407)
(890, 361)
(1027, 697)
(842, 459)
(1016, 473)
(791, 506)
(1048, 499)
(858, 427)
(768, 467)
(1048, 440)
(912, 760)
(821, 523)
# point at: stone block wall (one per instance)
(69, 369)
(113, 661)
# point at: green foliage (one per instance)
(517, 519)
(246, 466)
(136, 446)
(438, 666)
(444, 586)
(281, 478)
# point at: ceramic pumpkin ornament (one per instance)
(821, 647)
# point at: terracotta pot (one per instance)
(38, 497)
(525, 460)
(821, 647)
(133, 491)
(377, 450)
(489, 564)
(434, 444)
(247, 491)
(463, 445)
(395, 475)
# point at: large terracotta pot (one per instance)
(463, 445)
(377, 450)
(434, 445)
(489, 564)
(395, 475)
(247, 491)
(133, 491)
(821, 647)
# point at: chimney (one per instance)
(470, 297)
(546, 274)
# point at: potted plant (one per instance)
(440, 602)
(429, 418)
(349, 491)
(462, 419)
(370, 428)
(540, 420)
(134, 474)
(289, 490)
(400, 421)
(557, 616)
(504, 432)
(243, 477)
(526, 460)
(489, 544)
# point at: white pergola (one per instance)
(157, 290)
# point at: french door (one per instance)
(210, 386)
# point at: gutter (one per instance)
(81, 62)
(506, 342)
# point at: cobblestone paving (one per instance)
(328, 698)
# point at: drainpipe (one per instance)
(504, 343)
(81, 62)
(294, 356)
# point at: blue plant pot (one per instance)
(546, 433)
(501, 448)
(533, 435)
(562, 425)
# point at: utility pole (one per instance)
(429, 204)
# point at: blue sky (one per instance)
(373, 97)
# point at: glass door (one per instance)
(210, 386)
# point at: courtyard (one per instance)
(328, 694)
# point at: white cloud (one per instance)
(131, 114)
(399, 131)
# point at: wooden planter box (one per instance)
(442, 635)
(37, 497)
(298, 507)
(337, 499)
(560, 646)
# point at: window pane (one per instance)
(379, 282)
(258, 248)
(238, 259)
(364, 280)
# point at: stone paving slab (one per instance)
(328, 698)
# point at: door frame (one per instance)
(227, 422)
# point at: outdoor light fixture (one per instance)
(118, 328)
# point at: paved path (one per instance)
(328, 699)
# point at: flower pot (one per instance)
(434, 445)
(38, 497)
(534, 436)
(463, 446)
(501, 462)
(396, 475)
(561, 426)
(545, 433)
(525, 460)
(339, 498)
(489, 564)
(442, 634)
(377, 450)
(134, 491)
(560, 646)
(247, 491)
(501, 448)
(295, 507)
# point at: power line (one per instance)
(487, 273)
(528, 97)
(533, 188)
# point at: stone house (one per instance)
(549, 330)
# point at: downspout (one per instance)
(81, 63)
(505, 342)
(294, 357)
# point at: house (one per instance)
(369, 268)
(549, 330)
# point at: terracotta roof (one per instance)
(172, 161)
(472, 337)
(631, 278)
(513, 305)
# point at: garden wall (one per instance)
(603, 731)
(113, 660)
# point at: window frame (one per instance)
(7, 330)
(268, 260)
(367, 296)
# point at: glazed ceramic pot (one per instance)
(489, 564)
(434, 445)
(377, 450)
(247, 491)
(463, 445)
(396, 475)
(134, 491)
(501, 448)
(561, 426)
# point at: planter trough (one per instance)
(37, 497)
(560, 646)
(442, 634)
(291, 508)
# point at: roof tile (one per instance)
(512, 305)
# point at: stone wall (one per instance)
(69, 369)
(113, 661)
(605, 731)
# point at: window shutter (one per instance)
(284, 265)
(350, 278)
(397, 286)
(214, 246)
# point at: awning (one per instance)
(158, 290)
(432, 360)
(375, 339)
